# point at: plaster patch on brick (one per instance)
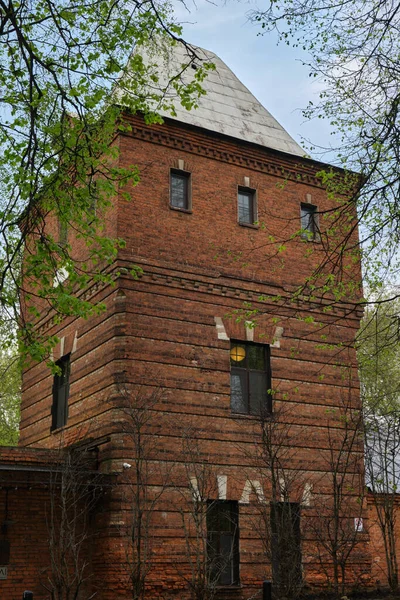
(249, 325)
(276, 342)
(220, 329)
(222, 482)
(249, 487)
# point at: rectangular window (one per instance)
(309, 222)
(250, 379)
(246, 206)
(223, 541)
(180, 190)
(59, 409)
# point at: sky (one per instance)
(273, 73)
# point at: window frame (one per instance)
(310, 233)
(215, 544)
(186, 176)
(252, 194)
(238, 370)
(60, 391)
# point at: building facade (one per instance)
(219, 395)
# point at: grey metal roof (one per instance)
(228, 107)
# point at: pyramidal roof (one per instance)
(228, 107)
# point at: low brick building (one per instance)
(217, 400)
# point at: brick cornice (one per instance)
(224, 149)
(203, 281)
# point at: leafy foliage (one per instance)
(10, 371)
(379, 358)
(354, 51)
(61, 61)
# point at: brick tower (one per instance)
(214, 397)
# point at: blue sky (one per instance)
(273, 73)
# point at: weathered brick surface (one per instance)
(159, 334)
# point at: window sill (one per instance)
(188, 211)
(311, 240)
(235, 587)
(57, 430)
(250, 225)
(267, 415)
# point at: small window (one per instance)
(62, 232)
(223, 542)
(180, 190)
(246, 206)
(250, 379)
(59, 409)
(309, 222)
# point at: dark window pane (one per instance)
(308, 221)
(246, 207)
(226, 559)
(59, 409)
(223, 541)
(239, 393)
(179, 190)
(258, 387)
(255, 358)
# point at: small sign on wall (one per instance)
(3, 572)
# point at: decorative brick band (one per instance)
(254, 159)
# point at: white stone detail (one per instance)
(307, 493)
(222, 483)
(252, 486)
(61, 276)
(194, 488)
(75, 342)
(276, 342)
(62, 344)
(249, 325)
(246, 181)
(181, 164)
(220, 329)
(282, 488)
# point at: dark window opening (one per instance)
(246, 206)
(309, 222)
(180, 190)
(59, 409)
(250, 379)
(286, 547)
(223, 541)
